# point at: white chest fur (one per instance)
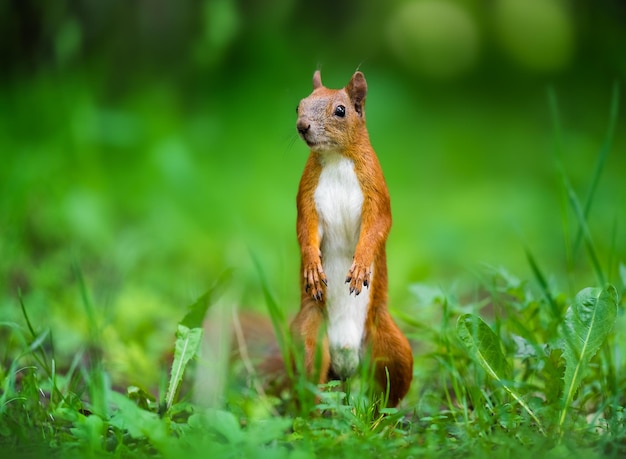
(339, 200)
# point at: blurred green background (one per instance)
(149, 145)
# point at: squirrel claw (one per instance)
(358, 277)
(316, 293)
(314, 278)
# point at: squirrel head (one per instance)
(333, 119)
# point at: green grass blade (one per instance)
(558, 153)
(25, 314)
(36, 342)
(484, 347)
(556, 121)
(38, 350)
(92, 317)
(582, 212)
(556, 313)
(601, 160)
(588, 322)
(277, 317)
(578, 211)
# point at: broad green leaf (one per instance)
(189, 335)
(197, 311)
(588, 322)
(89, 430)
(483, 346)
(188, 342)
(553, 371)
(226, 424)
(138, 422)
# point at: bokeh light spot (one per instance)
(434, 38)
(537, 34)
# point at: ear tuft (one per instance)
(357, 90)
(317, 80)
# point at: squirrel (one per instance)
(343, 220)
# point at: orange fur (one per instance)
(390, 350)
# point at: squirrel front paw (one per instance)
(358, 277)
(314, 277)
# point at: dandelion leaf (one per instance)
(483, 346)
(588, 322)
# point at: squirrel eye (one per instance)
(340, 111)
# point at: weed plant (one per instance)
(515, 369)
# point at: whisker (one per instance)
(291, 140)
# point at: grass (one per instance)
(507, 367)
(479, 390)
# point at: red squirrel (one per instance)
(344, 217)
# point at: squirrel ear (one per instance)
(317, 80)
(357, 89)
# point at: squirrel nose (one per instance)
(303, 127)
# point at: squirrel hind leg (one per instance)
(308, 332)
(393, 360)
(398, 378)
